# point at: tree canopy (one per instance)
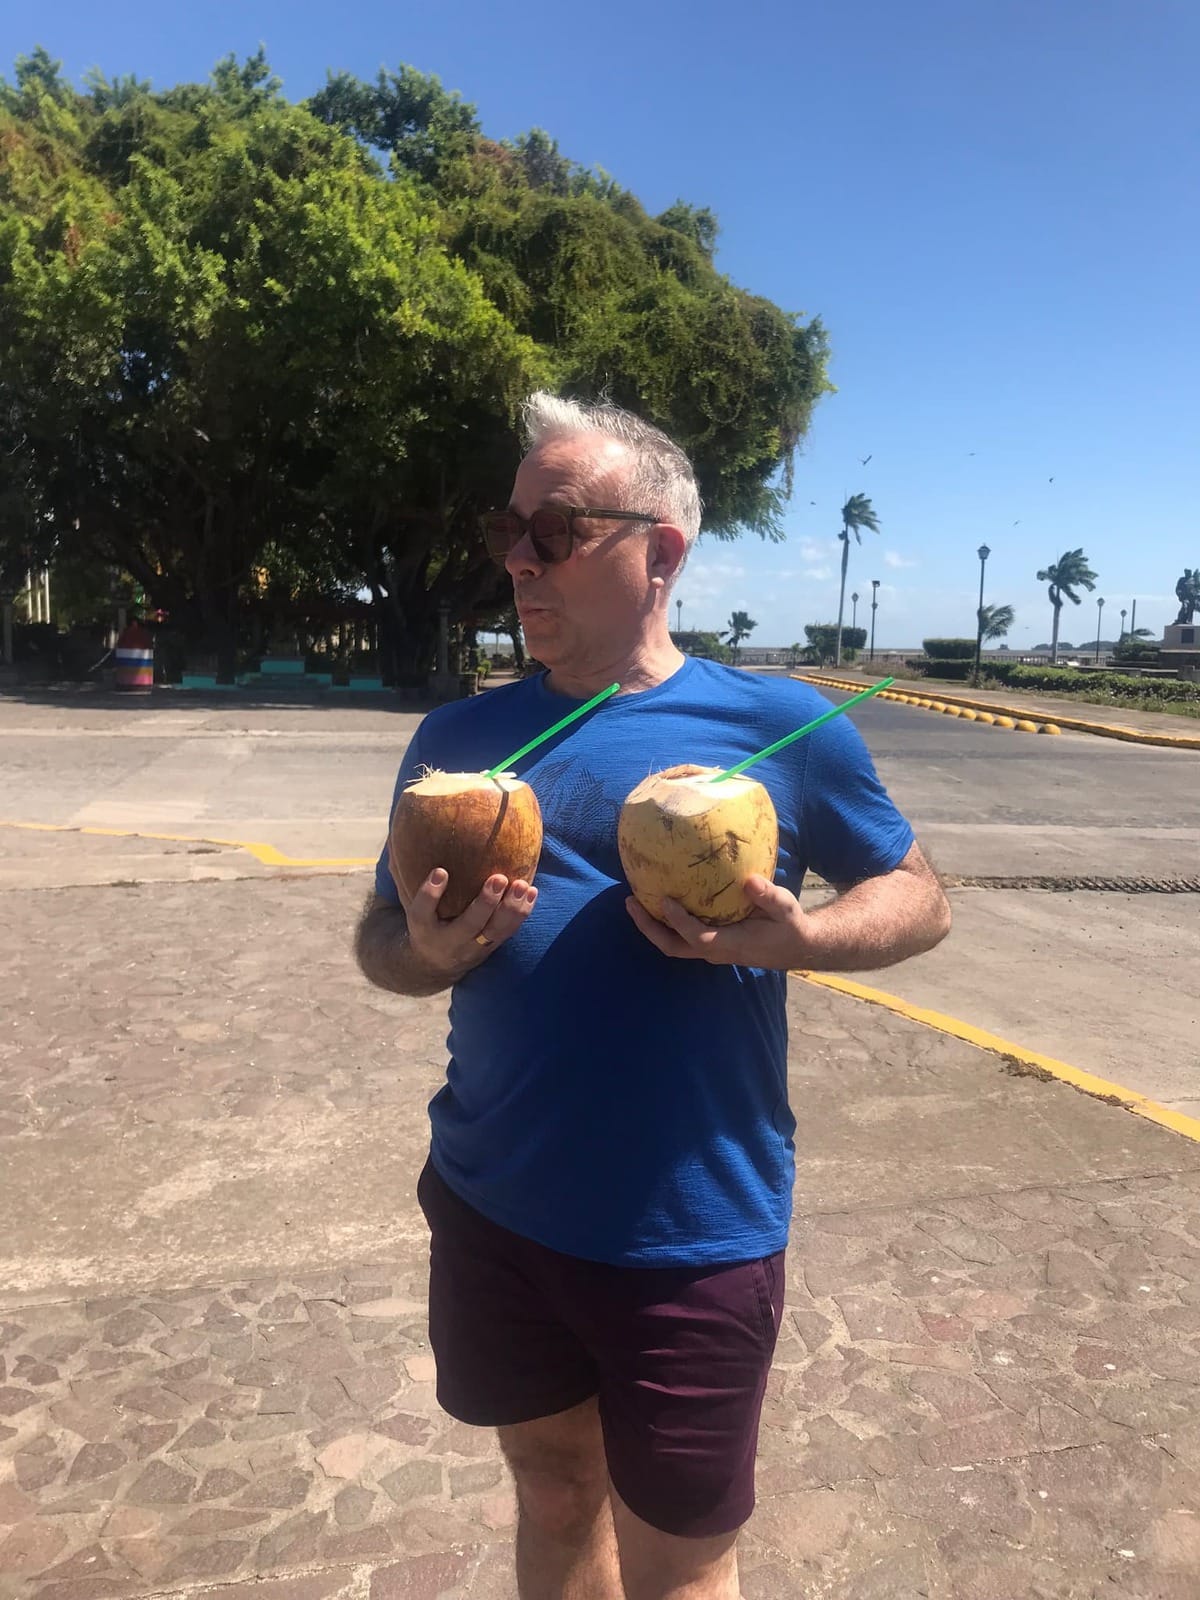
(247, 337)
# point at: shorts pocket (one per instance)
(764, 1273)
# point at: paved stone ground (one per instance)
(214, 1374)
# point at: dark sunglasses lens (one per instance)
(501, 531)
(550, 534)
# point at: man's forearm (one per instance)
(879, 922)
(386, 956)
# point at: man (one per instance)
(610, 1178)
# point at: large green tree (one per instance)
(625, 302)
(1064, 576)
(242, 334)
(244, 347)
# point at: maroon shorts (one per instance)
(677, 1356)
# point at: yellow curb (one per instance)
(1005, 722)
(950, 711)
(968, 715)
(264, 853)
(984, 716)
(1129, 1099)
(1048, 727)
(1103, 730)
(1025, 726)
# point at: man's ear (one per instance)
(665, 553)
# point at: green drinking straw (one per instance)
(542, 737)
(790, 738)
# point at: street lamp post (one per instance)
(1122, 624)
(854, 613)
(874, 609)
(1099, 616)
(1133, 616)
(679, 616)
(983, 553)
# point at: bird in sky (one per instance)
(864, 459)
(1051, 480)
(1017, 523)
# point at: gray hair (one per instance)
(662, 478)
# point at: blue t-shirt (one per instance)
(601, 1098)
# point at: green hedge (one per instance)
(949, 649)
(953, 668)
(1069, 680)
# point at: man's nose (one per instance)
(522, 558)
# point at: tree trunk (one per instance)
(837, 660)
(407, 644)
(1054, 635)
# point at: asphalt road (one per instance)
(990, 800)
(1103, 980)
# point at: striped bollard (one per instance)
(134, 657)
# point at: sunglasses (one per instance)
(551, 531)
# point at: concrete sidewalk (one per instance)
(213, 1360)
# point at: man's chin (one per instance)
(541, 633)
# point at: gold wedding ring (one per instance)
(482, 938)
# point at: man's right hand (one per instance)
(451, 948)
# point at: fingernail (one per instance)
(437, 877)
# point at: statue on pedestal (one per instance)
(1187, 592)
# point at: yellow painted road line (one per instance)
(1104, 730)
(1129, 1099)
(267, 854)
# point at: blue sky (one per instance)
(991, 203)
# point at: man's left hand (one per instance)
(868, 925)
(775, 934)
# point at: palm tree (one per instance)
(740, 627)
(1069, 572)
(858, 512)
(995, 621)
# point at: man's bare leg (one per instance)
(662, 1566)
(566, 1549)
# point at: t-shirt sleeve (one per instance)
(410, 768)
(850, 825)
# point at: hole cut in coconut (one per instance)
(694, 792)
(434, 781)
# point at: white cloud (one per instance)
(893, 559)
(705, 579)
(818, 574)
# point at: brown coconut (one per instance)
(681, 835)
(470, 825)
